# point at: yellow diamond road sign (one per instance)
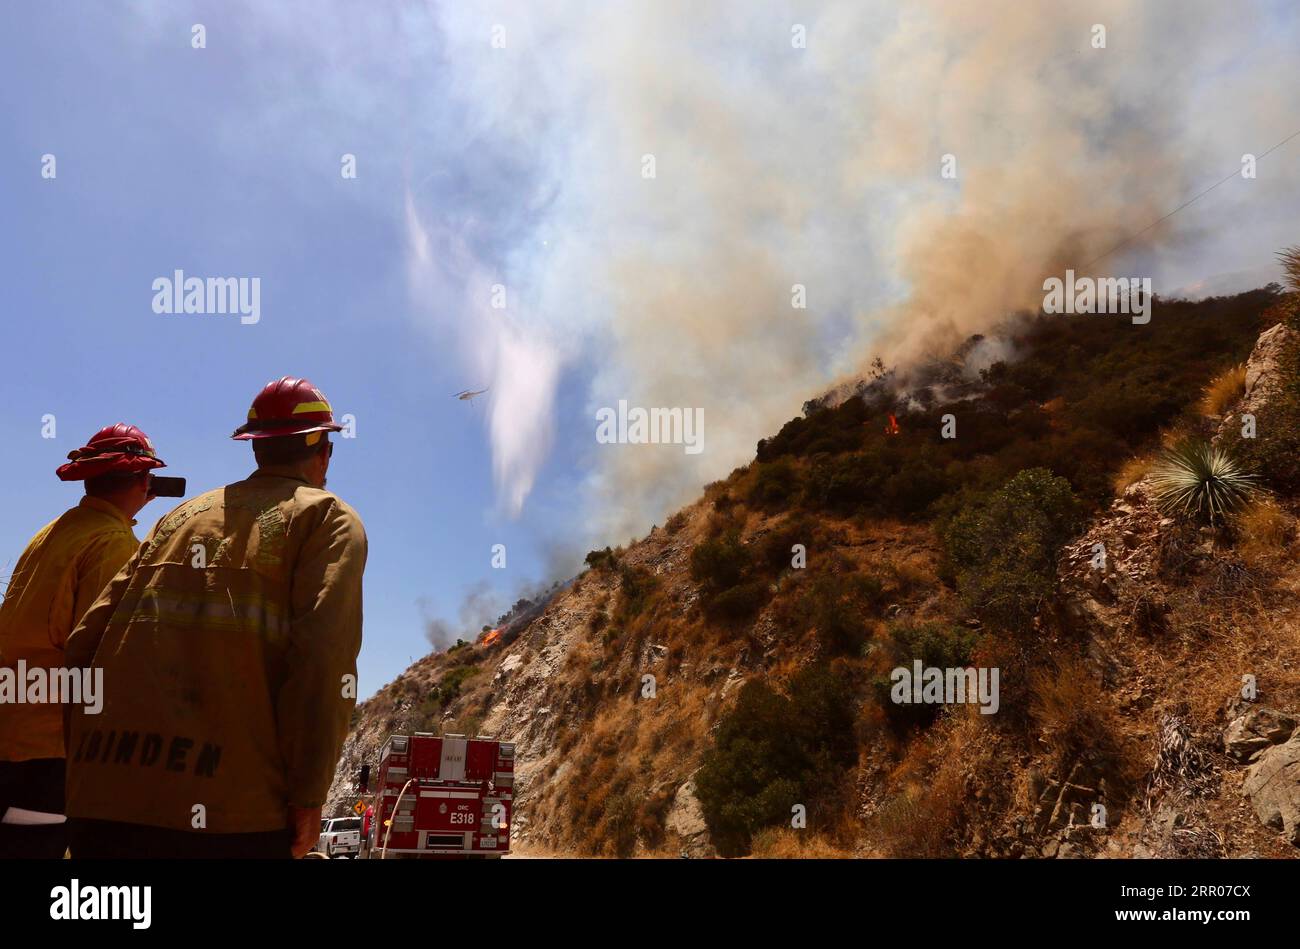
(359, 808)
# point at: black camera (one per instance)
(167, 487)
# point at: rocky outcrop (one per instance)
(1273, 786)
(686, 820)
(509, 664)
(1253, 729)
(1070, 811)
(1264, 378)
(1109, 578)
(1271, 739)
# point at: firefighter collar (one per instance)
(273, 471)
(106, 507)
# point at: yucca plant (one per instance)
(1202, 481)
(1290, 260)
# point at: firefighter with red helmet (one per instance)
(60, 573)
(228, 646)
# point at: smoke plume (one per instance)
(819, 164)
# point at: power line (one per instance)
(1131, 238)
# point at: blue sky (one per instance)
(523, 166)
(225, 161)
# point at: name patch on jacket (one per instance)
(149, 750)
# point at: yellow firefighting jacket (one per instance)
(60, 574)
(228, 646)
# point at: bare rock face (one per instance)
(1069, 816)
(1253, 729)
(1273, 786)
(1264, 377)
(509, 664)
(686, 820)
(1110, 577)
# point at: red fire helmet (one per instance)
(288, 406)
(116, 449)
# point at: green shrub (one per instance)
(840, 606)
(601, 559)
(1131, 405)
(449, 686)
(829, 431)
(427, 715)
(1002, 547)
(636, 584)
(719, 563)
(775, 549)
(739, 602)
(909, 491)
(775, 483)
(844, 483)
(771, 752)
(722, 566)
(1032, 377)
(1275, 451)
(935, 644)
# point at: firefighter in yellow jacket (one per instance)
(63, 570)
(228, 646)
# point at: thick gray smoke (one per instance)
(779, 164)
(479, 605)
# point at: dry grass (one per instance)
(929, 814)
(1264, 532)
(909, 825)
(1239, 639)
(784, 843)
(1073, 713)
(626, 765)
(1131, 472)
(1221, 394)
(911, 573)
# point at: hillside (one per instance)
(682, 695)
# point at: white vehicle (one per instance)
(341, 837)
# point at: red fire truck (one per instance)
(447, 796)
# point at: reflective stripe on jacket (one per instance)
(60, 574)
(228, 647)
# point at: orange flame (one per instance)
(492, 637)
(892, 427)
